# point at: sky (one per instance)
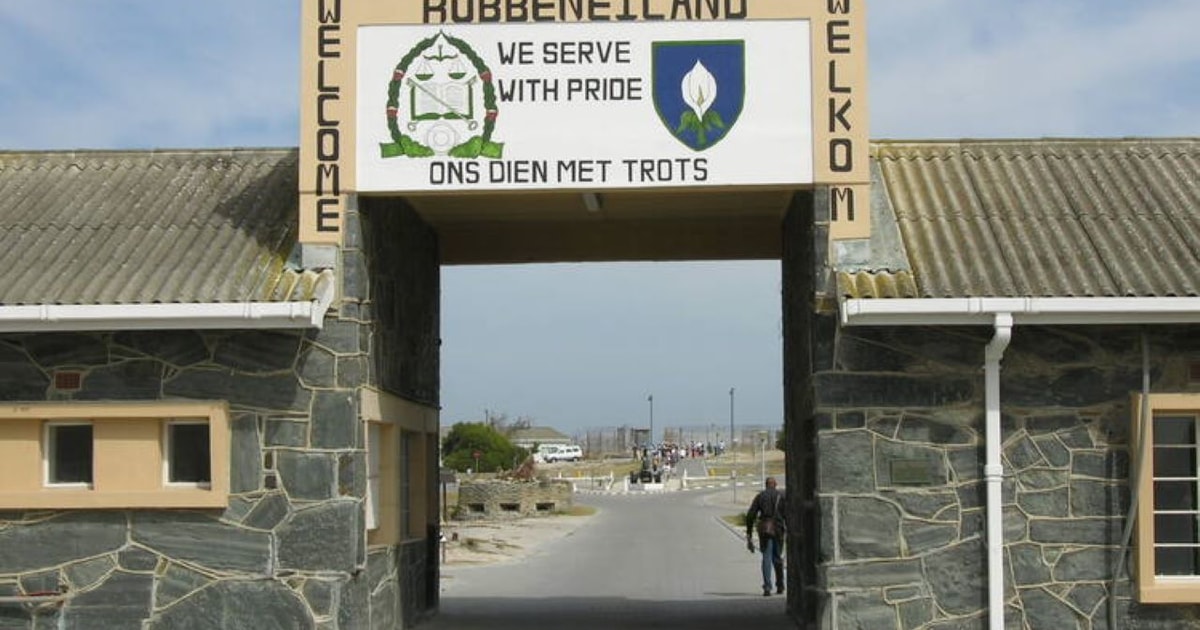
(577, 346)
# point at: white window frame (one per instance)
(1153, 587)
(47, 449)
(166, 453)
(374, 463)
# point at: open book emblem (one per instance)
(441, 101)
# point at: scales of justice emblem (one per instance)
(441, 102)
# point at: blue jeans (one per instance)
(772, 556)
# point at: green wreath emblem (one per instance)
(480, 145)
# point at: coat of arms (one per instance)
(699, 87)
(441, 101)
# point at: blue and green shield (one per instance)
(699, 88)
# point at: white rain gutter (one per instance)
(104, 317)
(993, 468)
(1025, 311)
(1002, 314)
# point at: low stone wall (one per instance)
(498, 499)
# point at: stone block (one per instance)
(203, 541)
(136, 560)
(1078, 531)
(126, 380)
(176, 348)
(1087, 564)
(868, 528)
(1022, 453)
(245, 457)
(20, 379)
(1054, 502)
(844, 463)
(892, 390)
(261, 605)
(1055, 453)
(1098, 498)
(319, 593)
(83, 574)
(1044, 610)
(268, 512)
(956, 577)
(352, 477)
(121, 601)
(927, 430)
(70, 536)
(41, 582)
(317, 366)
(877, 574)
(257, 351)
(340, 336)
(62, 350)
(323, 537)
(924, 503)
(177, 582)
(1027, 565)
(865, 610)
(335, 419)
(920, 537)
(307, 476)
(275, 392)
(285, 432)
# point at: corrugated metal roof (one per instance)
(135, 227)
(1061, 218)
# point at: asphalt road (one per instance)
(643, 561)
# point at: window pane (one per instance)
(1174, 495)
(188, 459)
(71, 453)
(1174, 528)
(1174, 462)
(1174, 430)
(1175, 561)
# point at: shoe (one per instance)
(766, 592)
(779, 588)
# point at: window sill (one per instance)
(70, 498)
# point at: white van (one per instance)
(550, 453)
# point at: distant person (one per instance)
(766, 511)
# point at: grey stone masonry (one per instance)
(899, 476)
(191, 568)
(289, 550)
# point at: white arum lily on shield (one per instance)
(699, 89)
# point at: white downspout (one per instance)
(993, 469)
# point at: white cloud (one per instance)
(138, 74)
(1057, 69)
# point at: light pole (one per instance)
(650, 399)
(763, 436)
(733, 470)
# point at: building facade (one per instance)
(205, 425)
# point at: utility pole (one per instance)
(650, 440)
(733, 471)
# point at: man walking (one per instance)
(767, 511)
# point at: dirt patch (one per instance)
(490, 542)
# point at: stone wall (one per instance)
(900, 449)
(297, 476)
(289, 549)
(504, 499)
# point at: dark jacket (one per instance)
(770, 503)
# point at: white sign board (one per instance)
(583, 106)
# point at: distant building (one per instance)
(531, 437)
